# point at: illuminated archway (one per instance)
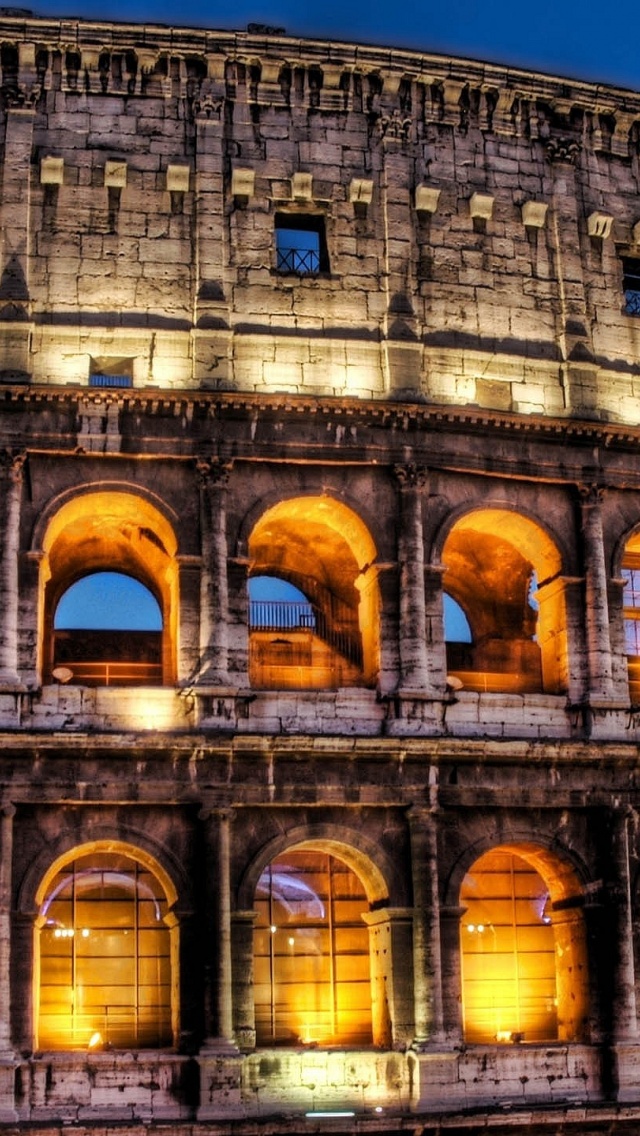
(106, 952)
(504, 571)
(312, 969)
(523, 948)
(630, 573)
(109, 532)
(323, 549)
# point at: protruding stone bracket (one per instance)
(302, 187)
(115, 175)
(599, 225)
(52, 171)
(534, 214)
(360, 194)
(178, 179)
(481, 206)
(426, 198)
(243, 183)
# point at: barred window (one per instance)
(631, 286)
(300, 244)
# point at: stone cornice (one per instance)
(151, 41)
(403, 416)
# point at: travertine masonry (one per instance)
(362, 323)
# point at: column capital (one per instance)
(411, 475)
(213, 472)
(591, 494)
(216, 812)
(12, 464)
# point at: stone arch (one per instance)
(322, 547)
(364, 856)
(625, 618)
(109, 529)
(523, 945)
(106, 950)
(317, 976)
(505, 570)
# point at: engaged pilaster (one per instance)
(427, 970)
(414, 664)
(11, 475)
(596, 604)
(214, 588)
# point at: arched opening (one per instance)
(503, 571)
(523, 949)
(105, 949)
(311, 952)
(630, 573)
(109, 557)
(313, 611)
(107, 631)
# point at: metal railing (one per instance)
(114, 674)
(304, 261)
(281, 615)
(299, 615)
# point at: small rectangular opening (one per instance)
(631, 285)
(301, 246)
(111, 372)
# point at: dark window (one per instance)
(300, 244)
(631, 286)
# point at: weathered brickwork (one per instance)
(363, 324)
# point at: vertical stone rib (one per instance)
(11, 472)
(7, 813)
(219, 1001)
(427, 970)
(214, 619)
(596, 605)
(414, 667)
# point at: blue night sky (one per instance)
(570, 38)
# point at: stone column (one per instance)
(214, 589)
(414, 664)
(7, 813)
(392, 1009)
(427, 960)
(596, 605)
(244, 1012)
(11, 467)
(624, 1007)
(218, 988)
(435, 641)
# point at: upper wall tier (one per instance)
(187, 209)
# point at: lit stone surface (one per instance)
(364, 323)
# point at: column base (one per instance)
(220, 1080)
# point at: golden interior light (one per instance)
(311, 952)
(105, 956)
(523, 963)
(324, 549)
(119, 532)
(493, 557)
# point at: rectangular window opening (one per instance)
(631, 285)
(301, 246)
(111, 372)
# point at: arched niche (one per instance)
(109, 531)
(106, 951)
(504, 571)
(523, 948)
(324, 549)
